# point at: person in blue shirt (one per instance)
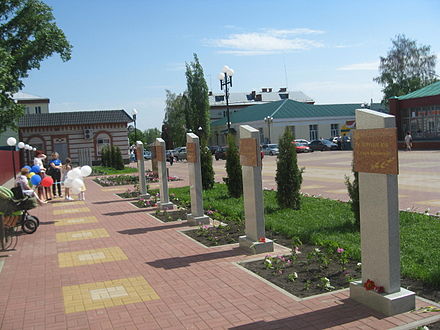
(55, 172)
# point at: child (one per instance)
(81, 195)
(66, 168)
(22, 181)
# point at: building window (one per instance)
(38, 110)
(334, 129)
(284, 96)
(422, 122)
(219, 98)
(102, 141)
(313, 129)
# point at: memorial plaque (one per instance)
(375, 151)
(249, 152)
(191, 153)
(159, 153)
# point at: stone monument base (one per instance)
(255, 247)
(385, 303)
(145, 196)
(196, 221)
(166, 206)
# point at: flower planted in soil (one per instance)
(143, 202)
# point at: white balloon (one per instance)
(68, 183)
(75, 173)
(77, 183)
(86, 170)
(75, 190)
(11, 141)
(20, 145)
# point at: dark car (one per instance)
(213, 149)
(220, 153)
(323, 145)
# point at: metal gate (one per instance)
(61, 148)
(84, 156)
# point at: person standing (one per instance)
(55, 172)
(408, 141)
(43, 193)
(66, 168)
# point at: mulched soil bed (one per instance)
(218, 235)
(305, 276)
(169, 216)
(131, 194)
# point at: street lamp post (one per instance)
(268, 120)
(12, 142)
(225, 78)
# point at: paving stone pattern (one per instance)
(127, 270)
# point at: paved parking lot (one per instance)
(419, 178)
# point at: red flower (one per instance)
(369, 285)
(379, 289)
(262, 240)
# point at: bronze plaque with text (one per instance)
(191, 152)
(375, 151)
(159, 153)
(249, 152)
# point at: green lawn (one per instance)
(101, 170)
(322, 221)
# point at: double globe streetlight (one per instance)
(225, 78)
(12, 142)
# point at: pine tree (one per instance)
(353, 192)
(288, 176)
(206, 167)
(105, 156)
(234, 180)
(119, 162)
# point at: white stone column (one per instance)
(255, 240)
(141, 169)
(196, 217)
(380, 244)
(164, 203)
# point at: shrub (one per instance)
(206, 167)
(353, 192)
(118, 162)
(105, 156)
(234, 180)
(288, 176)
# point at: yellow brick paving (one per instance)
(81, 234)
(75, 221)
(88, 257)
(90, 296)
(68, 211)
(64, 204)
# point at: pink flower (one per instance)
(340, 250)
(297, 251)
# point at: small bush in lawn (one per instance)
(353, 192)
(118, 162)
(105, 156)
(234, 180)
(206, 167)
(288, 176)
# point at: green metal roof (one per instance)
(430, 90)
(290, 109)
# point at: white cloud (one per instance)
(267, 42)
(370, 66)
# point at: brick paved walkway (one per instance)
(104, 264)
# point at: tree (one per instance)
(174, 127)
(353, 192)
(197, 116)
(406, 68)
(136, 135)
(234, 181)
(288, 176)
(151, 134)
(198, 100)
(28, 35)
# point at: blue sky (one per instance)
(127, 53)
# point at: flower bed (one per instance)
(308, 270)
(146, 203)
(129, 193)
(173, 215)
(217, 235)
(120, 180)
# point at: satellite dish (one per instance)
(131, 128)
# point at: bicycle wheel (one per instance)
(29, 226)
(33, 217)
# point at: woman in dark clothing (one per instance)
(55, 173)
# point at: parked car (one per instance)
(147, 154)
(303, 141)
(270, 149)
(180, 153)
(323, 145)
(220, 153)
(302, 147)
(213, 149)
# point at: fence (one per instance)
(6, 165)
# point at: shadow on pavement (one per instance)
(137, 231)
(144, 210)
(177, 262)
(116, 200)
(348, 311)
